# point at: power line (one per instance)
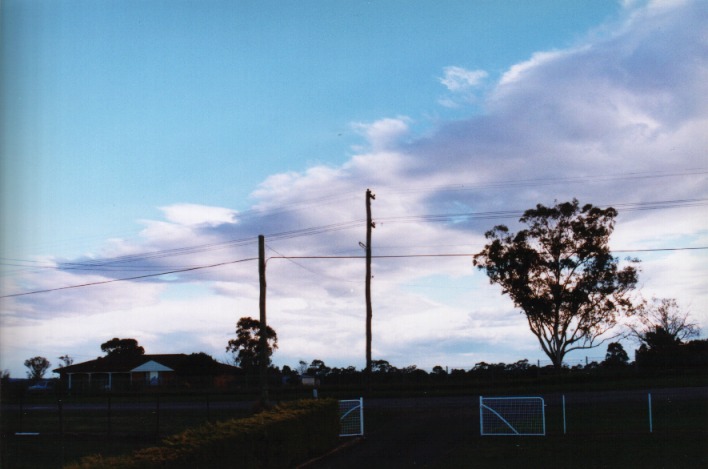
(118, 264)
(463, 254)
(583, 179)
(283, 256)
(697, 248)
(332, 197)
(138, 277)
(380, 256)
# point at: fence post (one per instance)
(109, 415)
(564, 414)
(22, 411)
(481, 417)
(157, 417)
(60, 408)
(361, 413)
(651, 423)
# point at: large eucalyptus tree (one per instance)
(561, 274)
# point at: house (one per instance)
(309, 380)
(144, 371)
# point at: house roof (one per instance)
(194, 364)
(152, 365)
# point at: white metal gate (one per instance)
(512, 416)
(351, 417)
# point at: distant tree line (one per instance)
(659, 326)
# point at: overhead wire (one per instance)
(119, 263)
(104, 264)
(137, 277)
(128, 262)
(380, 256)
(338, 196)
(512, 183)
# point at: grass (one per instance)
(107, 427)
(584, 451)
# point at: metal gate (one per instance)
(351, 417)
(512, 415)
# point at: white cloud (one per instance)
(383, 133)
(538, 59)
(458, 79)
(620, 120)
(72, 301)
(193, 214)
(462, 85)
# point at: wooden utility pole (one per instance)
(369, 225)
(263, 339)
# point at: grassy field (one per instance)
(583, 451)
(41, 434)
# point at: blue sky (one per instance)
(111, 104)
(145, 126)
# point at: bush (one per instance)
(282, 437)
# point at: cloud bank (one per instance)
(619, 120)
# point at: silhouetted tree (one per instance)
(381, 366)
(66, 360)
(615, 356)
(37, 367)
(318, 368)
(290, 376)
(520, 366)
(696, 353)
(438, 370)
(122, 348)
(660, 339)
(660, 323)
(199, 364)
(413, 374)
(560, 272)
(302, 367)
(246, 345)
(662, 350)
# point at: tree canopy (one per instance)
(37, 366)
(616, 356)
(66, 360)
(246, 345)
(561, 274)
(122, 348)
(661, 322)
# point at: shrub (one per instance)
(282, 437)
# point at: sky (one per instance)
(145, 137)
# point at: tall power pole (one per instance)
(263, 339)
(369, 225)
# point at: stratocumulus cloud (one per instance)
(619, 120)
